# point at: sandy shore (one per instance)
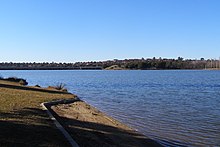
(89, 127)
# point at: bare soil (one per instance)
(91, 128)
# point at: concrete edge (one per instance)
(58, 125)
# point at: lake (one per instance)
(174, 107)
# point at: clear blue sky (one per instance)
(88, 30)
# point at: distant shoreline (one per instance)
(53, 68)
(126, 64)
(85, 68)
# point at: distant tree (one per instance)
(143, 65)
(180, 59)
(161, 65)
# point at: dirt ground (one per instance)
(23, 123)
(91, 128)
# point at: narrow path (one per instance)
(58, 125)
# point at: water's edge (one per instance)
(179, 107)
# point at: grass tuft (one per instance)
(60, 86)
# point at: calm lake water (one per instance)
(175, 107)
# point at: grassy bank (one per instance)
(22, 121)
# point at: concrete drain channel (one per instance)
(58, 125)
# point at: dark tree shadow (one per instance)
(88, 134)
(29, 127)
(32, 127)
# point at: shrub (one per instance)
(18, 80)
(60, 86)
(23, 82)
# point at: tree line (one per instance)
(143, 64)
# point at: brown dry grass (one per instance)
(22, 121)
